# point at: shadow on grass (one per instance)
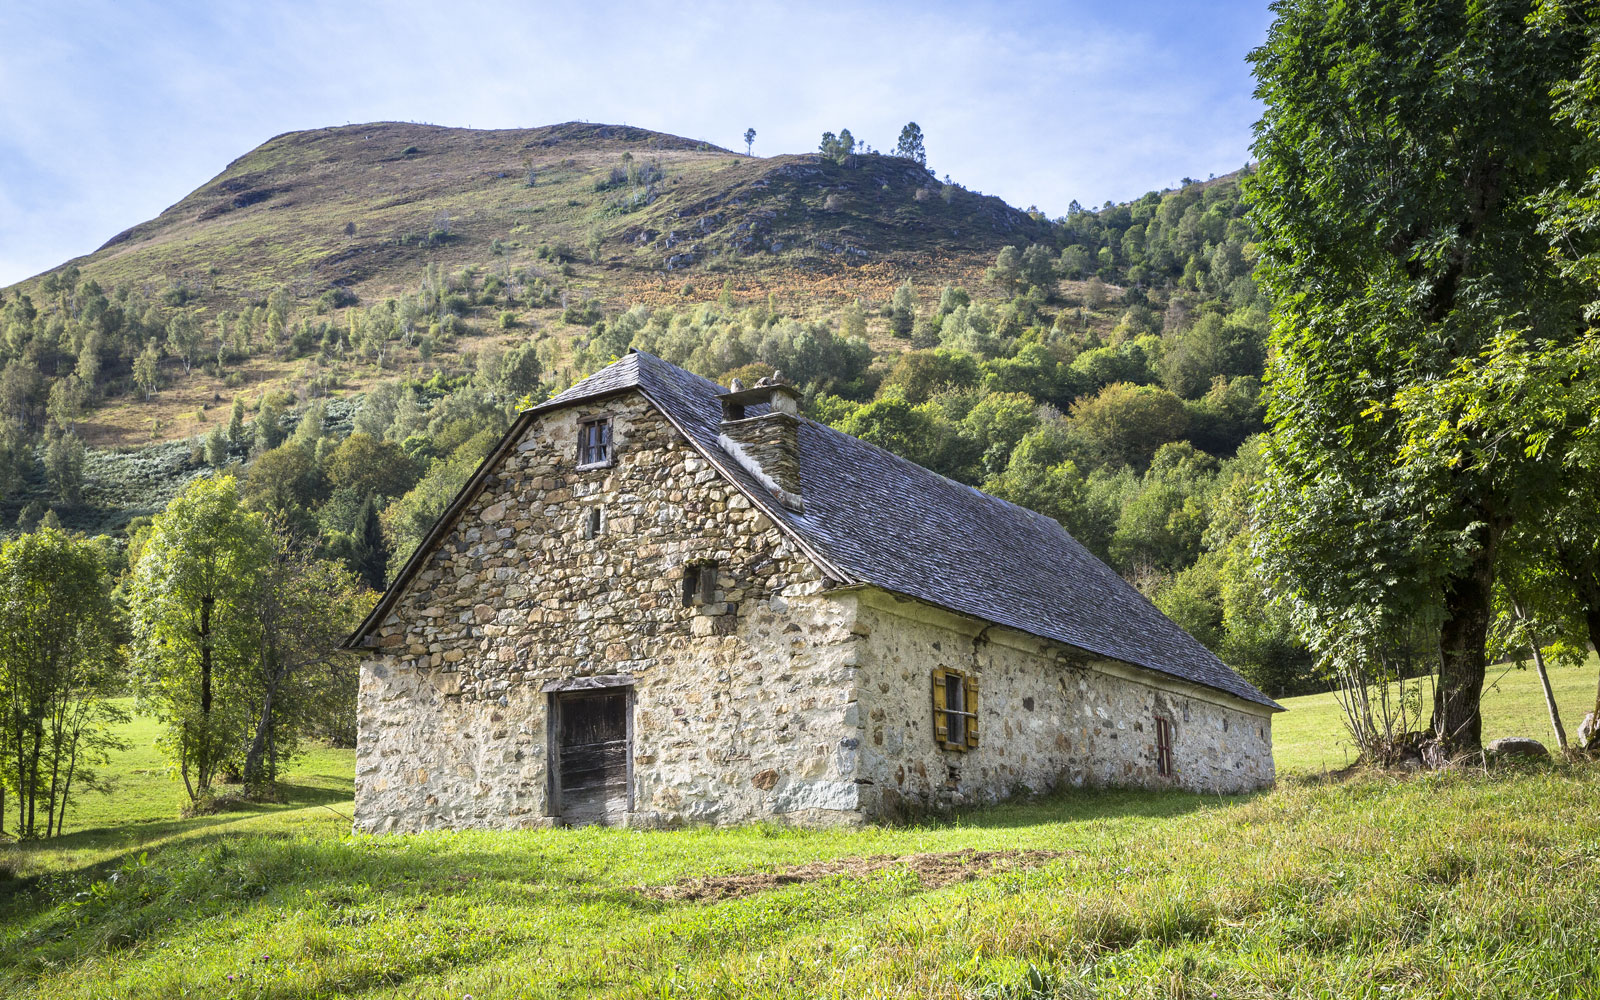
(73, 917)
(1079, 806)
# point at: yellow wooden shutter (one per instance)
(972, 707)
(941, 729)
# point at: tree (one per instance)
(147, 370)
(236, 436)
(1126, 423)
(281, 482)
(1402, 149)
(63, 463)
(304, 609)
(192, 599)
(217, 447)
(268, 426)
(1007, 270)
(749, 140)
(837, 148)
(903, 306)
(910, 144)
(369, 555)
(59, 635)
(1040, 477)
(68, 397)
(371, 467)
(184, 339)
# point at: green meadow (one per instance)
(1476, 883)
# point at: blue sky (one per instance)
(111, 111)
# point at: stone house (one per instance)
(659, 601)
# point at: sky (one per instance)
(112, 111)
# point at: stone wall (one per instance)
(779, 698)
(1047, 717)
(744, 707)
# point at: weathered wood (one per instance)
(594, 748)
(589, 683)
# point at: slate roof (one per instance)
(873, 517)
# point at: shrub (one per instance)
(336, 298)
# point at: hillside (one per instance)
(365, 207)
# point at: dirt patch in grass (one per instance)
(933, 870)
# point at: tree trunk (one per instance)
(203, 756)
(1462, 662)
(1549, 696)
(258, 745)
(205, 654)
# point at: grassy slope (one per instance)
(1444, 885)
(1309, 738)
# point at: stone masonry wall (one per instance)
(744, 707)
(1046, 718)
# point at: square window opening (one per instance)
(699, 584)
(955, 709)
(594, 442)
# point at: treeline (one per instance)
(216, 618)
(81, 345)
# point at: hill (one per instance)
(1457, 885)
(366, 207)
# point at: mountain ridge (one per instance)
(366, 206)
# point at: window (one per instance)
(1163, 746)
(699, 584)
(594, 442)
(594, 524)
(955, 709)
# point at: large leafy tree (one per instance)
(299, 681)
(196, 586)
(59, 637)
(1402, 149)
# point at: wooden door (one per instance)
(593, 754)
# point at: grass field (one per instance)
(1309, 738)
(1455, 885)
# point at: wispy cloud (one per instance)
(114, 110)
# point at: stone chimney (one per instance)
(766, 446)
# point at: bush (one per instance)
(336, 298)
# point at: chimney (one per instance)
(766, 446)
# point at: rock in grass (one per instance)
(1589, 733)
(1516, 746)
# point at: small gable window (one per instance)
(955, 709)
(1163, 746)
(699, 584)
(594, 442)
